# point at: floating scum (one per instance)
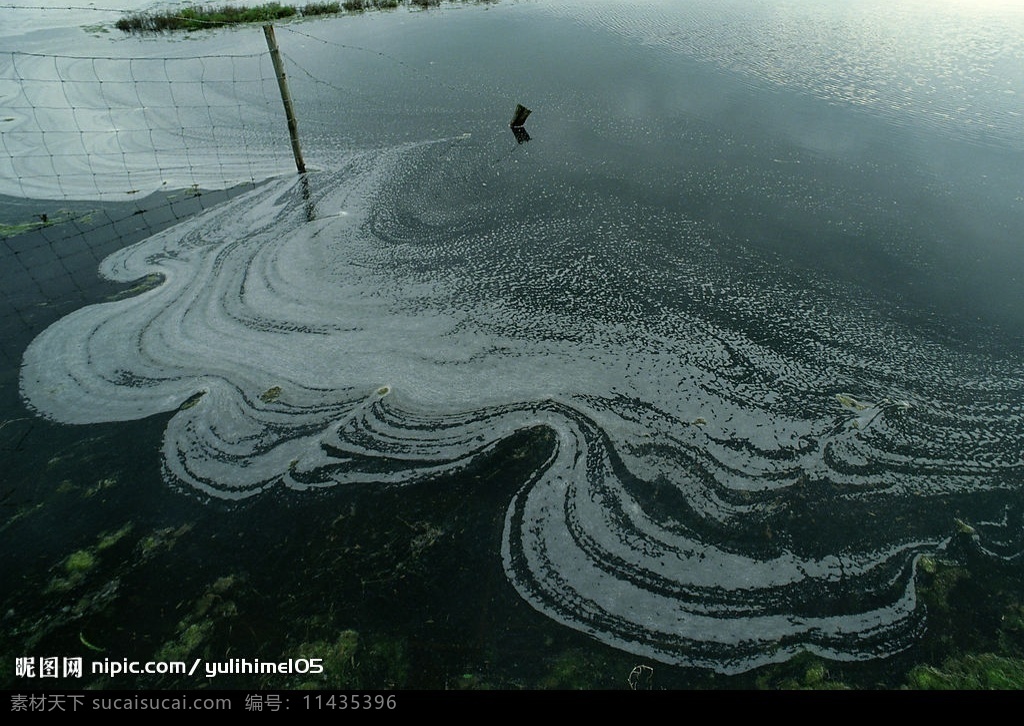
(729, 485)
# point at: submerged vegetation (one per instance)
(198, 17)
(40, 221)
(365, 600)
(388, 587)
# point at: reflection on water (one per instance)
(108, 128)
(742, 341)
(953, 65)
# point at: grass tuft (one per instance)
(199, 17)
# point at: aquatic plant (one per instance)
(327, 8)
(79, 562)
(985, 671)
(271, 394)
(41, 220)
(200, 17)
(698, 531)
(109, 539)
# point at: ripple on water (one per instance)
(716, 459)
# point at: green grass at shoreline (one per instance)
(199, 17)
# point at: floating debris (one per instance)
(520, 116)
(271, 394)
(848, 401)
(87, 644)
(191, 401)
(963, 528)
(517, 123)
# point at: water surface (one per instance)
(757, 273)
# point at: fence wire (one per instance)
(106, 128)
(99, 152)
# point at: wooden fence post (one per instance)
(286, 98)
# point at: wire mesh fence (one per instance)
(99, 152)
(105, 128)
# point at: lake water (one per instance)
(750, 294)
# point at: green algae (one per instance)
(42, 220)
(191, 401)
(109, 539)
(271, 394)
(76, 567)
(161, 540)
(338, 659)
(985, 671)
(353, 661)
(79, 562)
(211, 612)
(145, 284)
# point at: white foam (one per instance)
(338, 330)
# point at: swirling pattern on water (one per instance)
(748, 461)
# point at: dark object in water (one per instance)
(522, 112)
(521, 135)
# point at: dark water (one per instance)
(711, 370)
